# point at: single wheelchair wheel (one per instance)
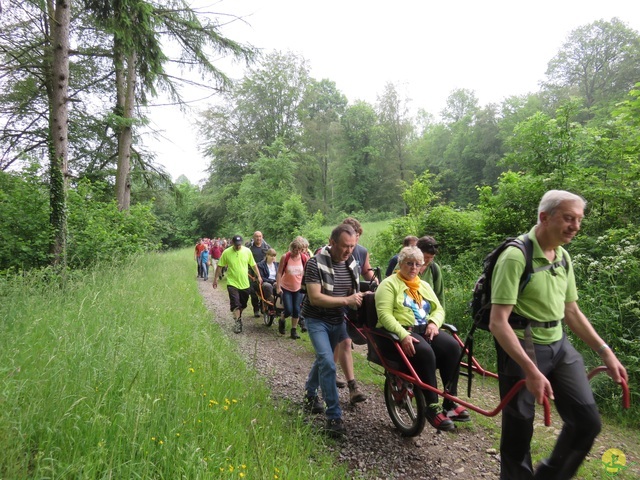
(406, 405)
(267, 319)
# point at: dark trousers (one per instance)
(255, 299)
(564, 367)
(442, 353)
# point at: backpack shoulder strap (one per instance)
(435, 273)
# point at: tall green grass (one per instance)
(122, 374)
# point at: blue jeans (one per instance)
(205, 270)
(324, 338)
(291, 302)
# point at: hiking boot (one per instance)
(301, 324)
(437, 419)
(256, 313)
(455, 412)
(355, 395)
(281, 325)
(294, 334)
(313, 405)
(335, 428)
(237, 328)
(340, 383)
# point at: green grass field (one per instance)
(122, 374)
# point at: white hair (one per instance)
(553, 198)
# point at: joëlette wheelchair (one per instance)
(270, 309)
(403, 393)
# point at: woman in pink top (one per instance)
(289, 284)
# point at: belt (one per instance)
(419, 329)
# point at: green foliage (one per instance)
(389, 241)
(266, 200)
(419, 195)
(455, 230)
(25, 233)
(600, 61)
(313, 232)
(100, 230)
(512, 209)
(608, 276)
(175, 210)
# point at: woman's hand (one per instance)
(407, 345)
(432, 331)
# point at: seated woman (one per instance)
(408, 307)
(268, 272)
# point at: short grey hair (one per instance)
(410, 253)
(553, 198)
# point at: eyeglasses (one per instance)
(414, 264)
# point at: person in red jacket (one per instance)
(200, 246)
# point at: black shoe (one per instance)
(335, 428)
(437, 419)
(301, 324)
(281, 326)
(256, 313)
(237, 328)
(294, 334)
(313, 405)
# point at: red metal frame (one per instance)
(412, 376)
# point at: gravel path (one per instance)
(372, 444)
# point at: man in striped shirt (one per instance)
(332, 284)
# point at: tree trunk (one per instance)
(125, 86)
(57, 90)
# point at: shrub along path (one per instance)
(373, 447)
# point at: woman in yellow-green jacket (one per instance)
(408, 307)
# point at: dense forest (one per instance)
(289, 153)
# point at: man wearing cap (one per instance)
(237, 259)
(431, 272)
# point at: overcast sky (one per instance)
(428, 49)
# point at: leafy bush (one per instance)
(24, 221)
(608, 280)
(455, 230)
(512, 208)
(98, 229)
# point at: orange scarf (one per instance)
(413, 287)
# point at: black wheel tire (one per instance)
(406, 405)
(267, 319)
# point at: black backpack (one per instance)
(481, 300)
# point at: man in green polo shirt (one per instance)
(550, 365)
(237, 259)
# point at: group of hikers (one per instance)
(317, 289)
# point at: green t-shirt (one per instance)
(545, 295)
(433, 276)
(237, 263)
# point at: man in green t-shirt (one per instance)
(548, 362)
(237, 259)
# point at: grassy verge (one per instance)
(121, 374)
